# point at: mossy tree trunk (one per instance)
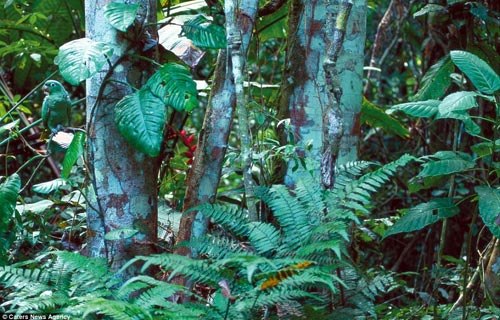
(305, 97)
(122, 181)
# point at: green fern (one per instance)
(217, 247)
(78, 286)
(251, 266)
(230, 216)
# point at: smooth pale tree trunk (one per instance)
(350, 72)
(204, 176)
(305, 90)
(239, 50)
(122, 181)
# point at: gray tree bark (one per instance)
(122, 181)
(204, 176)
(305, 98)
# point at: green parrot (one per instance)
(56, 107)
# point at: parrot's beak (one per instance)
(45, 90)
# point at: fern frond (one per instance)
(335, 245)
(216, 247)
(114, 309)
(346, 173)
(311, 279)
(230, 216)
(195, 270)
(291, 214)
(356, 193)
(281, 295)
(311, 195)
(264, 237)
(21, 278)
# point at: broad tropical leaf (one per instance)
(429, 8)
(482, 76)
(448, 162)
(173, 83)
(49, 186)
(489, 208)
(483, 149)
(471, 127)
(9, 126)
(435, 81)
(376, 117)
(140, 118)
(81, 59)
(37, 207)
(457, 101)
(422, 215)
(422, 109)
(9, 189)
(120, 234)
(204, 33)
(75, 150)
(120, 15)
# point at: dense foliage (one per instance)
(416, 237)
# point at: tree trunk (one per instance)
(204, 176)
(350, 72)
(238, 58)
(122, 181)
(305, 91)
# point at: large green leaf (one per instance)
(422, 109)
(471, 127)
(36, 207)
(489, 208)
(57, 24)
(49, 186)
(429, 8)
(376, 117)
(484, 78)
(173, 83)
(447, 162)
(436, 80)
(120, 15)
(140, 118)
(75, 150)
(81, 59)
(9, 190)
(272, 26)
(457, 101)
(121, 234)
(483, 149)
(9, 126)
(422, 215)
(204, 33)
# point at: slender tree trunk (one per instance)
(122, 181)
(350, 72)
(204, 176)
(238, 58)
